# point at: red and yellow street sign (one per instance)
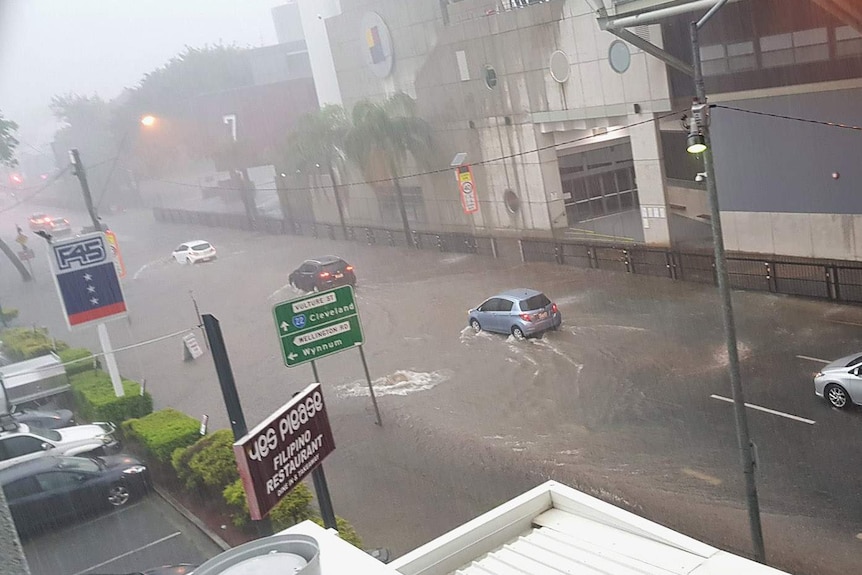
(469, 200)
(118, 257)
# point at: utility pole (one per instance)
(700, 120)
(81, 173)
(229, 392)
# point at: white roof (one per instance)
(35, 369)
(553, 529)
(337, 556)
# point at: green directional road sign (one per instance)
(317, 325)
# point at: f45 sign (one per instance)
(84, 253)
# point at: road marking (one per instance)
(809, 358)
(127, 553)
(767, 410)
(845, 322)
(714, 481)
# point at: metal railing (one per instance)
(836, 280)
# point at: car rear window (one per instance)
(536, 302)
(200, 247)
(335, 266)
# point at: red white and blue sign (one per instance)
(86, 279)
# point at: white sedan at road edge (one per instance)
(194, 251)
(840, 382)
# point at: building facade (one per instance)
(573, 132)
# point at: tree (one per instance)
(318, 139)
(8, 143)
(382, 136)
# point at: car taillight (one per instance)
(348, 269)
(553, 308)
(526, 317)
(324, 275)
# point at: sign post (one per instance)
(467, 186)
(90, 292)
(283, 449)
(314, 326)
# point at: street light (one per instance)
(148, 121)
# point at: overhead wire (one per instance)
(791, 118)
(449, 168)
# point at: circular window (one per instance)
(490, 76)
(512, 201)
(619, 56)
(559, 66)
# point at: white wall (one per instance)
(313, 14)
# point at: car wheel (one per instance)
(518, 332)
(474, 323)
(836, 396)
(118, 495)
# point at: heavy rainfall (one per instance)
(579, 280)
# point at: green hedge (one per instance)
(83, 360)
(162, 432)
(22, 343)
(96, 401)
(209, 462)
(8, 313)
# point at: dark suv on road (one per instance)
(323, 273)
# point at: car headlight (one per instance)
(818, 374)
(134, 469)
(107, 439)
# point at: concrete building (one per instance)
(573, 132)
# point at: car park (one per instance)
(26, 442)
(53, 490)
(519, 312)
(44, 418)
(840, 382)
(194, 251)
(323, 273)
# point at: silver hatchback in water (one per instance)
(840, 382)
(520, 312)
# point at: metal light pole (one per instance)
(742, 434)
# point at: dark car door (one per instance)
(24, 497)
(308, 273)
(64, 493)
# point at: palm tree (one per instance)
(318, 141)
(382, 136)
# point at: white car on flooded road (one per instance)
(26, 442)
(194, 251)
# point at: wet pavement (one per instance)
(625, 401)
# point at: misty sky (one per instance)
(50, 47)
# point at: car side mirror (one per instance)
(46, 446)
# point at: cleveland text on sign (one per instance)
(288, 445)
(314, 326)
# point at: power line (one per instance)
(792, 118)
(448, 168)
(47, 185)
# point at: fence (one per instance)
(816, 278)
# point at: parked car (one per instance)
(840, 382)
(40, 222)
(520, 312)
(28, 442)
(46, 419)
(323, 273)
(194, 251)
(52, 490)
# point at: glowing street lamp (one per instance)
(148, 121)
